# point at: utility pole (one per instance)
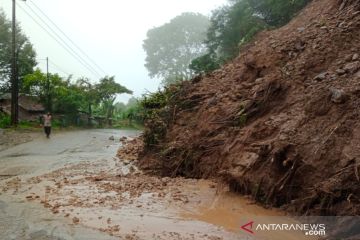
(48, 86)
(14, 77)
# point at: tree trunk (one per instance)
(90, 115)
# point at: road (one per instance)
(72, 187)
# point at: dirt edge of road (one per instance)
(13, 137)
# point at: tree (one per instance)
(36, 84)
(25, 53)
(67, 98)
(231, 26)
(204, 64)
(236, 24)
(171, 47)
(277, 12)
(63, 96)
(107, 89)
(90, 93)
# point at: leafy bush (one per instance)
(158, 113)
(5, 121)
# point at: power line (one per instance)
(62, 44)
(68, 38)
(58, 68)
(79, 58)
(54, 32)
(54, 65)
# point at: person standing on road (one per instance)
(47, 124)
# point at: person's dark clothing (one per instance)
(47, 131)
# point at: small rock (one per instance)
(76, 220)
(340, 71)
(301, 29)
(259, 80)
(123, 139)
(342, 24)
(357, 75)
(352, 67)
(299, 46)
(355, 57)
(111, 138)
(321, 76)
(338, 95)
(348, 58)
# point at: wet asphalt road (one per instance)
(206, 215)
(23, 220)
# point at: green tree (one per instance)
(37, 84)
(277, 12)
(25, 53)
(67, 98)
(171, 47)
(236, 24)
(62, 96)
(90, 94)
(107, 89)
(231, 26)
(119, 109)
(204, 64)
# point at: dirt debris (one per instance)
(279, 122)
(131, 148)
(102, 197)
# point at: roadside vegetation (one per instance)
(73, 102)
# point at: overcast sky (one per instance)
(111, 33)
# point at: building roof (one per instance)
(29, 103)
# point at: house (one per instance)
(29, 107)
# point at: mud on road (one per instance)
(73, 187)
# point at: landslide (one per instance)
(279, 122)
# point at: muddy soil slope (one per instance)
(281, 121)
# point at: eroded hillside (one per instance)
(279, 122)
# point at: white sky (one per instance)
(111, 33)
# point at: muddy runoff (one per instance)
(73, 187)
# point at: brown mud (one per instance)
(280, 122)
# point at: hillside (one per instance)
(279, 122)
